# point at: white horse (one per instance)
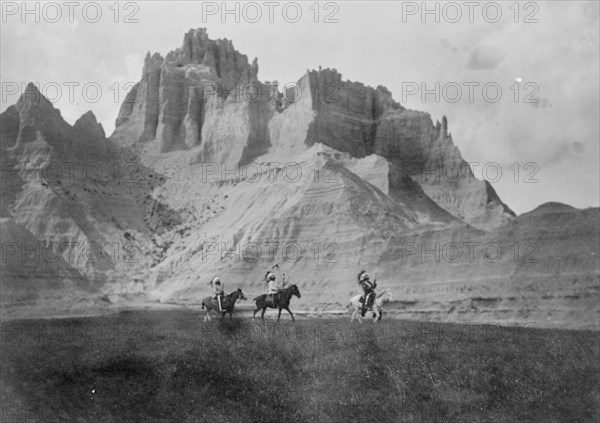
(383, 297)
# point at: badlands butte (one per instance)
(212, 172)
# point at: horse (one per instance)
(283, 301)
(227, 303)
(377, 308)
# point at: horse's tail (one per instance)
(202, 305)
(256, 298)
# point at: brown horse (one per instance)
(281, 300)
(227, 303)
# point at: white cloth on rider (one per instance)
(275, 286)
(217, 286)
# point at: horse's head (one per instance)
(240, 294)
(296, 291)
(384, 296)
(387, 297)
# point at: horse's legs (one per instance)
(207, 316)
(262, 315)
(288, 310)
(279, 316)
(353, 314)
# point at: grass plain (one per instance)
(169, 366)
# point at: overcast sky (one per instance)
(544, 51)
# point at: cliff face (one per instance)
(362, 121)
(209, 171)
(197, 98)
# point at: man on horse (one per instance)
(279, 295)
(217, 287)
(368, 291)
(274, 286)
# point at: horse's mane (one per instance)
(381, 293)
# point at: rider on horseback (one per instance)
(217, 287)
(369, 291)
(274, 286)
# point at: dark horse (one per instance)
(227, 303)
(281, 300)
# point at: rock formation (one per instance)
(203, 81)
(205, 96)
(68, 198)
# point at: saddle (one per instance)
(367, 301)
(274, 298)
(223, 302)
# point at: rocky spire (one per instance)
(32, 98)
(218, 55)
(88, 126)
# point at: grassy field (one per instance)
(168, 366)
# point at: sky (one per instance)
(537, 120)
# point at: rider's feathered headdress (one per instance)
(360, 274)
(269, 275)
